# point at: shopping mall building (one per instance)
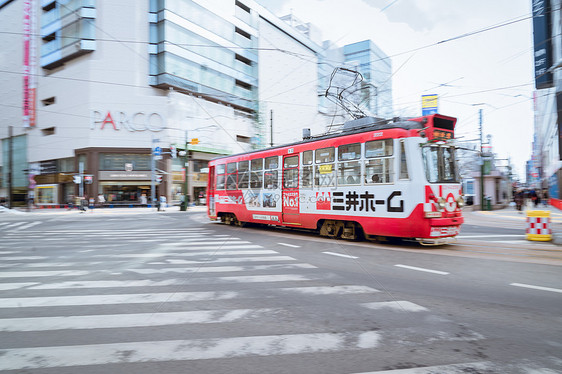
(117, 97)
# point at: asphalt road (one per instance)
(171, 292)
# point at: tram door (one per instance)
(211, 192)
(290, 189)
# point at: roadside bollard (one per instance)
(538, 225)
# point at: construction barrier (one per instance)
(538, 225)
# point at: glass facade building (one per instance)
(218, 63)
(67, 30)
(376, 68)
(106, 78)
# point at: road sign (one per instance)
(429, 104)
(157, 151)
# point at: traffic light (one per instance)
(158, 178)
(194, 141)
(173, 151)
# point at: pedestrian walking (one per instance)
(83, 204)
(163, 202)
(91, 203)
(519, 199)
(545, 197)
(535, 198)
(101, 200)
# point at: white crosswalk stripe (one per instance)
(189, 280)
(196, 349)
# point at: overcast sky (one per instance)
(494, 67)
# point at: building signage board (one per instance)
(120, 120)
(559, 120)
(48, 167)
(542, 43)
(29, 63)
(124, 175)
(429, 104)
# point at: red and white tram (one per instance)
(376, 178)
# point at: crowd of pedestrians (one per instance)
(530, 198)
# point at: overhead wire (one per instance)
(113, 39)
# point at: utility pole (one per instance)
(183, 207)
(481, 164)
(271, 132)
(10, 164)
(81, 174)
(153, 173)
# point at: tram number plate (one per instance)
(445, 231)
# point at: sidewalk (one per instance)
(511, 213)
(117, 211)
(512, 218)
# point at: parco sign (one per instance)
(139, 121)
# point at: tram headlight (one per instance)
(441, 203)
(460, 201)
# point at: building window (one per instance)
(48, 101)
(243, 139)
(243, 33)
(243, 85)
(243, 59)
(48, 131)
(244, 7)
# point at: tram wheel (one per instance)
(341, 229)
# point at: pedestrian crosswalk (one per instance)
(195, 298)
(17, 226)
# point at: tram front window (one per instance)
(440, 165)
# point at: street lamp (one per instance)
(185, 154)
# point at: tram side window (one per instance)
(270, 175)
(430, 159)
(307, 169)
(379, 166)
(220, 177)
(325, 171)
(349, 172)
(449, 166)
(231, 176)
(291, 172)
(243, 174)
(403, 162)
(349, 152)
(256, 176)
